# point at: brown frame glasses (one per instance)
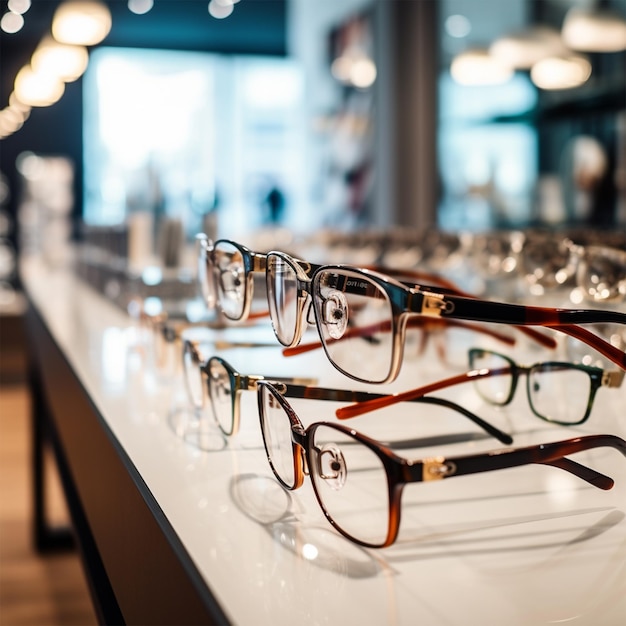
(293, 451)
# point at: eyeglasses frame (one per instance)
(401, 471)
(303, 388)
(598, 378)
(417, 299)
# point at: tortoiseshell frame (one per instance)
(401, 472)
(303, 388)
(598, 378)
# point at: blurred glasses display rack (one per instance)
(103, 261)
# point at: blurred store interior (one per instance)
(236, 116)
(129, 126)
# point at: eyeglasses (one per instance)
(167, 337)
(225, 276)
(219, 383)
(215, 383)
(558, 392)
(349, 305)
(358, 481)
(165, 334)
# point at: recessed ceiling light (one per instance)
(84, 23)
(594, 31)
(478, 67)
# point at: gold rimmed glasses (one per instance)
(215, 384)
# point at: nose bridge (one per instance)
(298, 437)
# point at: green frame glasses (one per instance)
(507, 370)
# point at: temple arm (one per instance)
(564, 320)
(342, 395)
(449, 287)
(425, 323)
(384, 400)
(553, 454)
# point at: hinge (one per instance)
(613, 378)
(437, 468)
(433, 304)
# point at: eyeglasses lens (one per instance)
(282, 291)
(495, 389)
(602, 274)
(193, 377)
(354, 320)
(230, 278)
(559, 393)
(276, 431)
(350, 482)
(221, 396)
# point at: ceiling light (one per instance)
(363, 72)
(220, 9)
(478, 67)
(458, 26)
(36, 89)
(522, 50)
(84, 23)
(11, 22)
(140, 7)
(594, 31)
(561, 72)
(19, 6)
(65, 61)
(14, 103)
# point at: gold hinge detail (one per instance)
(437, 468)
(433, 304)
(613, 378)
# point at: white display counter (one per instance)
(180, 534)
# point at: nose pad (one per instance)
(332, 466)
(336, 314)
(310, 313)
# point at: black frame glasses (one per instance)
(296, 288)
(293, 451)
(225, 269)
(331, 286)
(592, 378)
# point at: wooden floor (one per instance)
(35, 590)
